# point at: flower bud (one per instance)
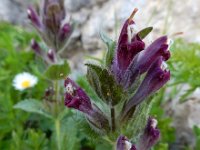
(65, 31)
(150, 136)
(124, 144)
(36, 47)
(49, 92)
(51, 55)
(33, 16)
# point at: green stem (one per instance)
(56, 97)
(112, 114)
(57, 91)
(57, 130)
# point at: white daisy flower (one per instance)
(24, 80)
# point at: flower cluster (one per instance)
(133, 60)
(135, 73)
(53, 26)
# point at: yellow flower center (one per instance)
(26, 84)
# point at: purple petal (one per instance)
(126, 50)
(155, 78)
(145, 59)
(156, 49)
(150, 136)
(76, 98)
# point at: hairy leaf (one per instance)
(104, 84)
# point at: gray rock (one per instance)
(76, 5)
(185, 116)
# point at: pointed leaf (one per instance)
(110, 48)
(93, 78)
(105, 85)
(144, 32)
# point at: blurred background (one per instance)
(91, 16)
(177, 106)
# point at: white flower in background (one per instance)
(24, 80)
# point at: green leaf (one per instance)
(196, 131)
(144, 32)
(32, 106)
(93, 79)
(68, 136)
(58, 71)
(104, 84)
(110, 48)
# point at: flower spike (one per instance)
(51, 24)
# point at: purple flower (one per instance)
(150, 136)
(127, 48)
(76, 98)
(156, 77)
(51, 23)
(124, 144)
